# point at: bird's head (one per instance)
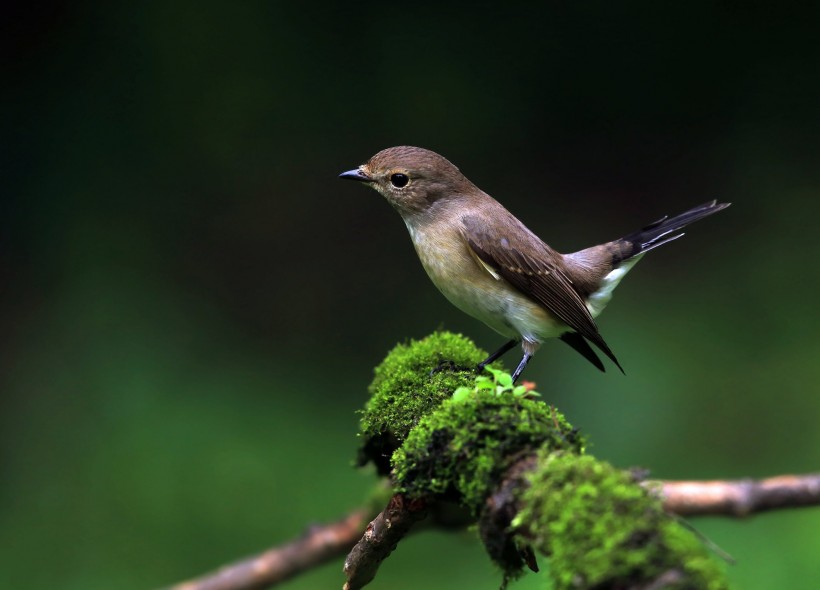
(412, 179)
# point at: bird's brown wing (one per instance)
(538, 276)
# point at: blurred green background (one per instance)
(192, 303)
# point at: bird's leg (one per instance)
(529, 346)
(520, 368)
(507, 346)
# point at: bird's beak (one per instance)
(356, 174)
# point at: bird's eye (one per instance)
(399, 180)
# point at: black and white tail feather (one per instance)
(626, 251)
(664, 229)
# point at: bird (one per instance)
(491, 266)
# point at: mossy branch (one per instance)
(322, 543)
(517, 468)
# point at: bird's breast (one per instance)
(476, 289)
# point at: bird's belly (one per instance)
(477, 293)
(501, 307)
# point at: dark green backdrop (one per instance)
(192, 302)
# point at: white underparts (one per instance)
(598, 300)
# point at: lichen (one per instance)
(413, 380)
(602, 530)
(461, 450)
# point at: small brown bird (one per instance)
(489, 265)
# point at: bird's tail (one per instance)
(663, 230)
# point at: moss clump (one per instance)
(601, 530)
(413, 380)
(461, 451)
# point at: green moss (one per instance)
(413, 380)
(602, 530)
(697, 562)
(599, 528)
(461, 450)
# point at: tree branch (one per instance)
(322, 543)
(380, 539)
(319, 544)
(739, 497)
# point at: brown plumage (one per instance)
(487, 263)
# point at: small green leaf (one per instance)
(461, 394)
(504, 379)
(519, 391)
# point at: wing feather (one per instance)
(539, 275)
